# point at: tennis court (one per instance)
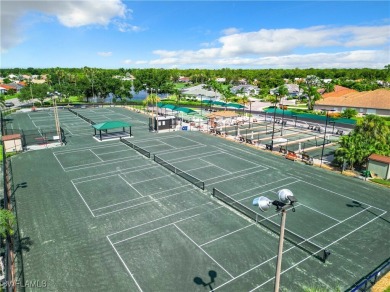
(105, 216)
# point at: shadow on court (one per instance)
(357, 204)
(200, 281)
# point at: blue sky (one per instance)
(195, 34)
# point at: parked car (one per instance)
(9, 104)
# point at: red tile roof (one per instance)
(380, 158)
(377, 99)
(338, 91)
(10, 137)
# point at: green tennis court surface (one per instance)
(102, 216)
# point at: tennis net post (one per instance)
(302, 243)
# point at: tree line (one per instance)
(95, 82)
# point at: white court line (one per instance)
(332, 243)
(88, 148)
(182, 149)
(111, 152)
(342, 195)
(228, 234)
(292, 247)
(234, 172)
(132, 206)
(121, 209)
(242, 228)
(96, 155)
(164, 217)
(129, 184)
(263, 185)
(214, 165)
(164, 226)
(278, 187)
(123, 262)
(192, 157)
(83, 199)
(315, 210)
(94, 164)
(253, 172)
(254, 154)
(59, 162)
(203, 250)
(168, 145)
(104, 175)
(67, 129)
(227, 153)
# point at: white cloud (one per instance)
(282, 47)
(126, 27)
(347, 59)
(282, 41)
(68, 13)
(230, 30)
(105, 54)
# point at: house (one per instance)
(3, 90)
(366, 102)
(293, 90)
(6, 88)
(245, 90)
(184, 79)
(338, 91)
(16, 86)
(201, 92)
(379, 165)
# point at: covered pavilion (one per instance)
(109, 125)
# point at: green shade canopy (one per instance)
(160, 104)
(111, 125)
(221, 103)
(207, 101)
(169, 106)
(235, 105)
(185, 110)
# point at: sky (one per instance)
(195, 34)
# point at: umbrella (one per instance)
(235, 105)
(169, 106)
(221, 103)
(185, 110)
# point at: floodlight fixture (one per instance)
(264, 203)
(286, 196)
(286, 200)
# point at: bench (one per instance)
(307, 159)
(291, 155)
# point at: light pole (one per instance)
(273, 129)
(281, 130)
(201, 109)
(250, 113)
(296, 117)
(286, 201)
(157, 90)
(323, 142)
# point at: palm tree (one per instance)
(7, 221)
(310, 89)
(178, 94)
(152, 99)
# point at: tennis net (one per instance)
(135, 147)
(81, 116)
(181, 173)
(302, 243)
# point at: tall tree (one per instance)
(371, 135)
